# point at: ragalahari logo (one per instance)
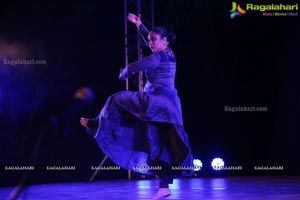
(236, 10)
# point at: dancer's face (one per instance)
(156, 42)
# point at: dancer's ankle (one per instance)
(93, 123)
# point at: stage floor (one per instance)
(228, 188)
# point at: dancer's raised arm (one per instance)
(142, 28)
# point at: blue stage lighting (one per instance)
(197, 164)
(217, 164)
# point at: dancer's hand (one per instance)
(123, 73)
(84, 121)
(135, 19)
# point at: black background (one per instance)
(250, 60)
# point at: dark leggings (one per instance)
(160, 141)
(167, 176)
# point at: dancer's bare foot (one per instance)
(90, 124)
(162, 193)
(84, 121)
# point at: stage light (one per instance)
(217, 163)
(197, 164)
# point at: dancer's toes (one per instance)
(91, 125)
(162, 193)
(84, 121)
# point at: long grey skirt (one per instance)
(137, 131)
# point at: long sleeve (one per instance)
(151, 60)
(147, 62)
(144, 33)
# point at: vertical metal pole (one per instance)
(126, 39)
(126, 53)
(139, 49)
(152, 14)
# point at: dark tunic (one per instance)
(138, 130)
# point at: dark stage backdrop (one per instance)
(227, 67)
